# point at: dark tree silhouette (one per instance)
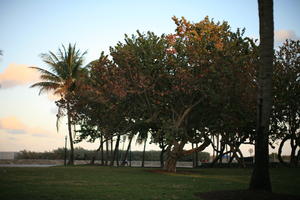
(260, 179)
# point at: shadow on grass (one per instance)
(245, 195)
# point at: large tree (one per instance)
(260, 179)
(65, 68)
(176, 82)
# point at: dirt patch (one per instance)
(245, 195)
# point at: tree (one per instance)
(175, 81)
(211, 66)
(285, 121)
(260, 179)
(181, 88)
(65, 70)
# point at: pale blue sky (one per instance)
(31, 27)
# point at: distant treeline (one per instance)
(83, 154)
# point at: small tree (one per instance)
(65, 69)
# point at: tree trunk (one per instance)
(231, 159)
(115, 151)
(170, 165)
(213, 143)
(298, 157)
(193, 156)
(144, 151)
(124, 162)
(260, 179)
(219, 157)
(241, 158)
(177, 152)
(102, 150)
(107, 152)
(111, 147)
(215, 160)
(172, 156)
(71, 159)
(280, 150)
(293, 157)
(197, 156)
(161, 157)
(217, 152)
(226, 149)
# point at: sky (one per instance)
(31, 27)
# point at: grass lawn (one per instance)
(92, 182)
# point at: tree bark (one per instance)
(213, 143)
(144, 151)
(170, 165)
(193, 156)
(115, 151)
(241, 158)
(107, 152)
(102, 149)
(173, 155)
(177, 152)
(280, 150)
(71, 159)
(293, 157)
(126, 153)
(219, 156)
(260, 179)
(111, 147)
(161, 157)
(196, 156)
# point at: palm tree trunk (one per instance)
(71, 159)
(144, 151)
(260, 179)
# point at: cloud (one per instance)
(18, 74)
(13, 125)
(281, 35)
(39, 135)
(14, 131)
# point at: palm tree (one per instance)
(260, 179)
(65, 69)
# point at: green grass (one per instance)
(88, 182)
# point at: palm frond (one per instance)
(46, 86)
(45, 72)
(65, 68)
(46, 77)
